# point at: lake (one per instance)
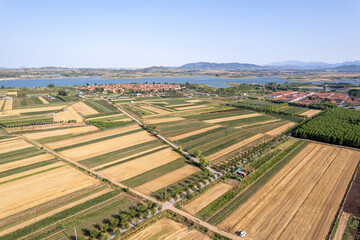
(211, 81)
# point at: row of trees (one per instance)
(338, 126)
(122, 220)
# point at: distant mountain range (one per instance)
(218, 66)
(312, 65)
(344, 66)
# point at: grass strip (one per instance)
(132, 158)
(58, 216)
(97, 140)
(26, 168)
(21, 157)
(275, 164)
(154, 173)
(17, 152)
(29, 175)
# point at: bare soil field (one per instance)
(265, 122)
(225, 119)
(352, 203)
(98, 148)
(140, 165)
(166, 229)
(281, 129)
(311, 113)
(1, 103)
(167, 179)
(89, 137)
(233, 147)
(84, 109)
(67, 115)
(210, 195)
(191, 107)
(154, 109)
(60, 132)
(163, 120)
(185, 135)
(13, 144)
(43, 100)
(26, 161)
(28, 192)
(195, 100)
(302, 198)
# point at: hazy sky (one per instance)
(170, 33)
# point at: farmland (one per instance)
(289, 204)
(81, 162)
(168, 229)
(33, 187)
(219, 135)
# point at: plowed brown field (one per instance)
(299, 201)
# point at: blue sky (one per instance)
(171, 33)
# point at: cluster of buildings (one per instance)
(340, 99)
(135, 86)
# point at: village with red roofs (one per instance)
(340, 99)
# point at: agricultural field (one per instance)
(220, 134)
(168, 229)
(210, 195)
(338, 126)
(34, 189)
(289, 204)
(125, 154)
(161, 107)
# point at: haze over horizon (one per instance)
(160, 33)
